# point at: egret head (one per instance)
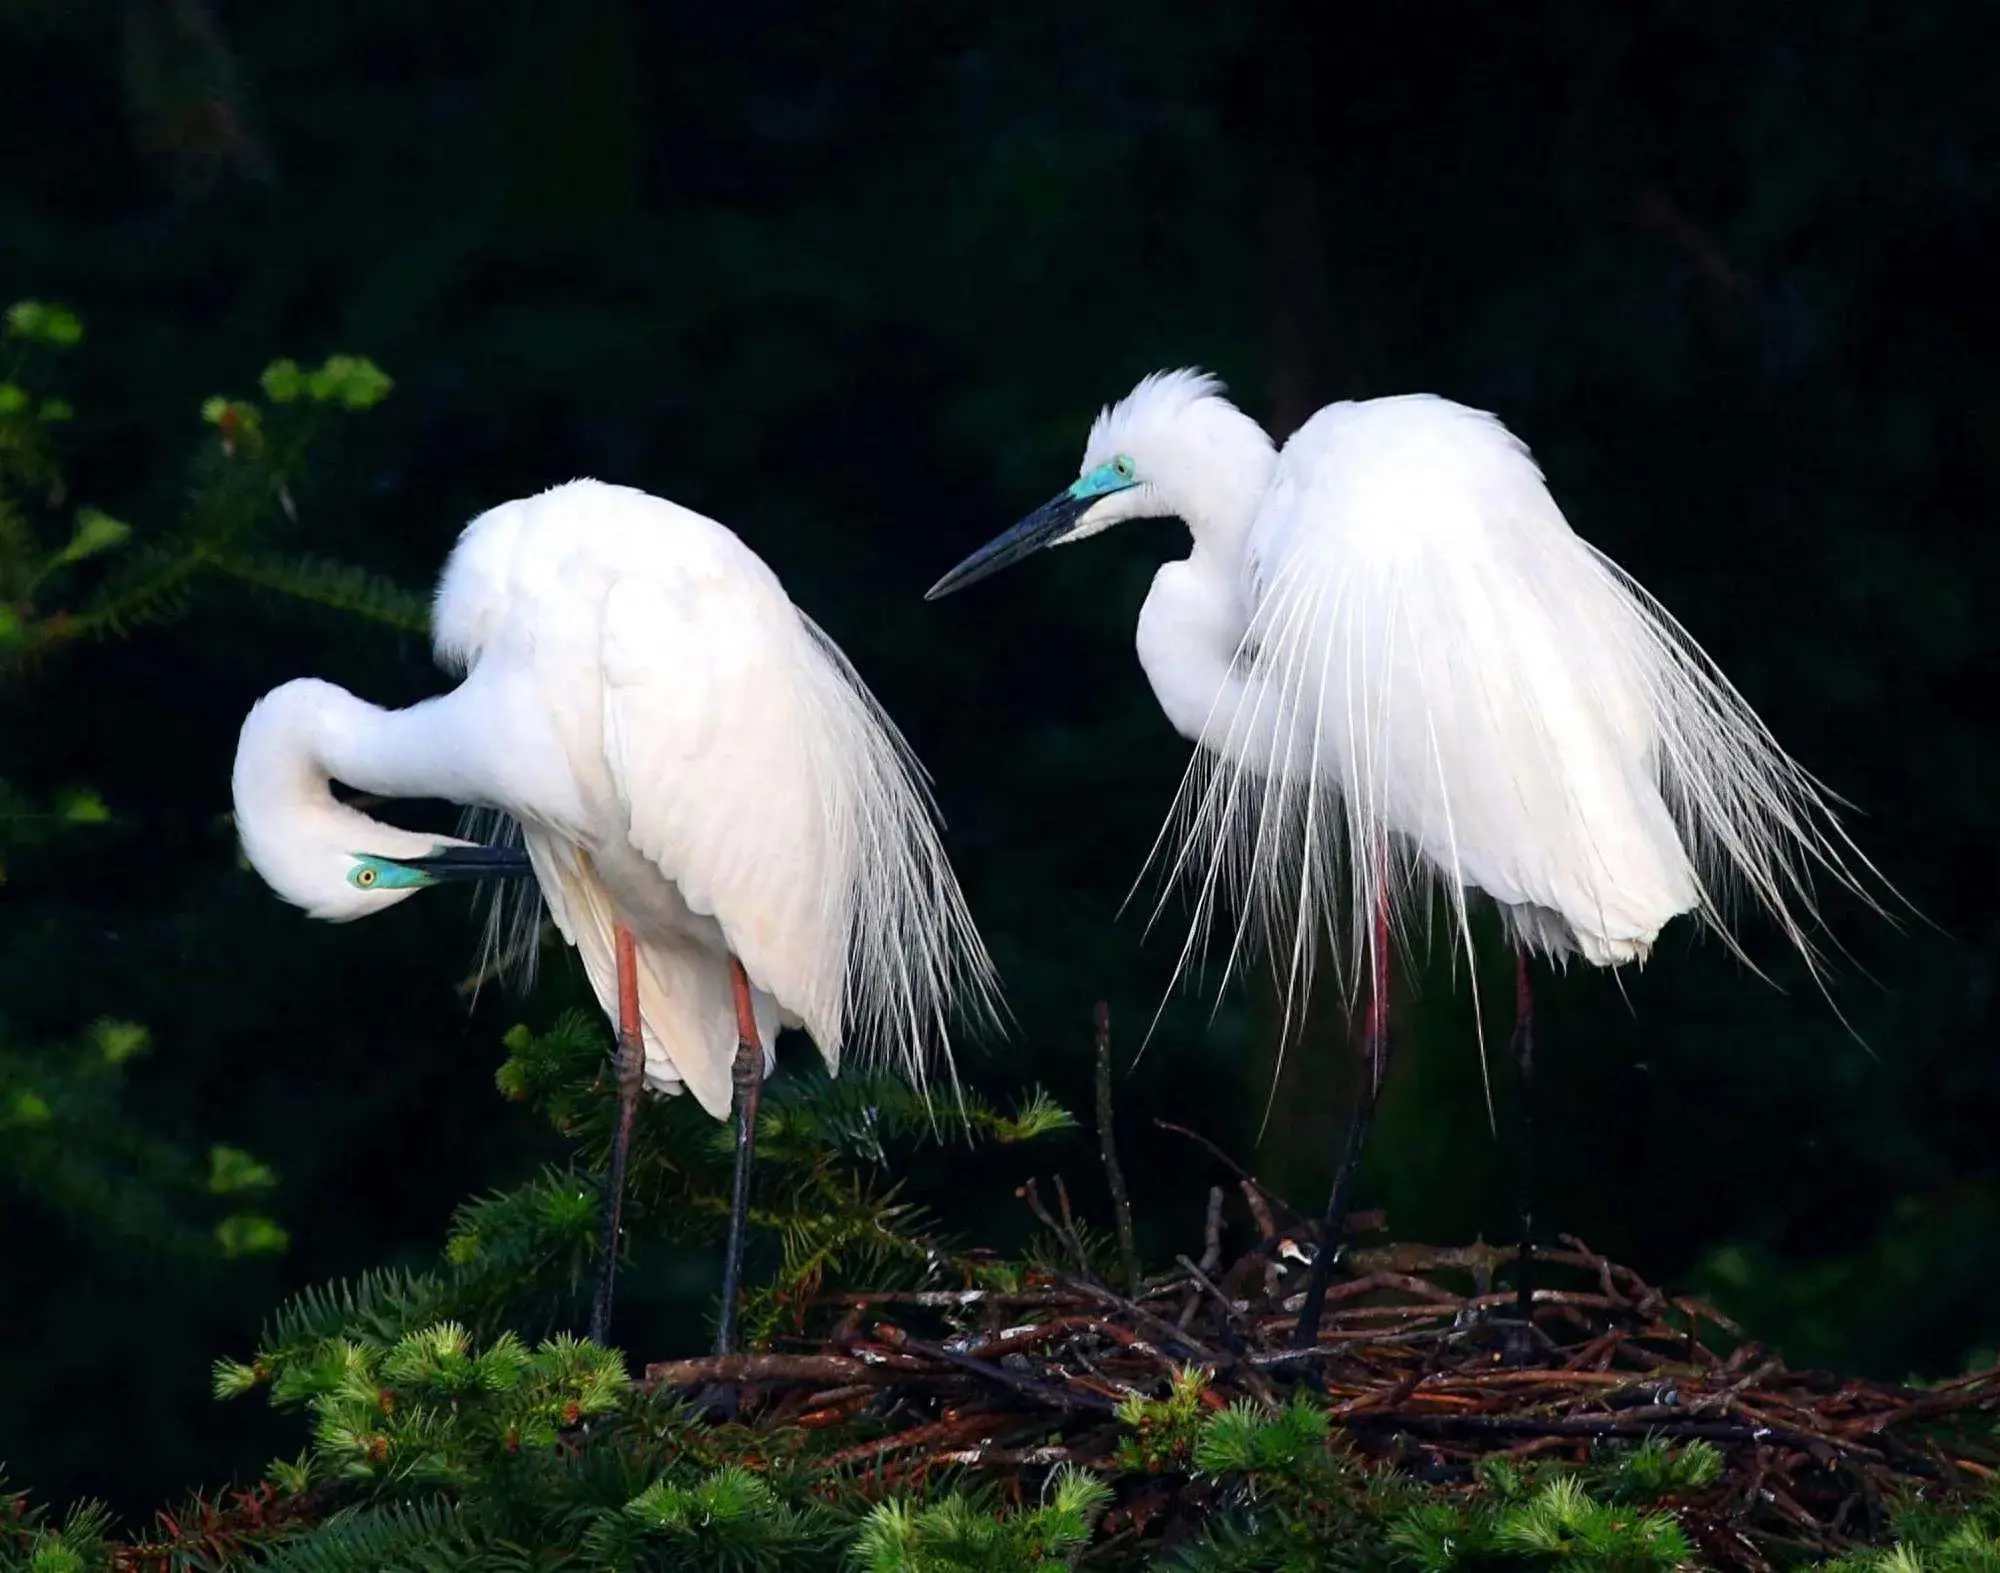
(1173, 446)
(311, 848)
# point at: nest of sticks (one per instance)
(1429, 1358)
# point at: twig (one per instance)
(1211, 1252)
(1590, 1429)
(1203, 1282)
(1260, 1209)
(1261, 1195)
(1025, 1458)
(1042, 1392)
(1069, 1222)
(1121, 1203)
(1033, 1196)
(1139, 1313)
(952, 1299)
(824, 1369)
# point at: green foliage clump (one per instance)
(1963, 1538)
(243, 477)
(71, 571)
(954, 1532)
(1164, 1431)
(430, 1409)
(1288, 1495)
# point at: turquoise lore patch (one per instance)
(373, 873)
(1117, 476)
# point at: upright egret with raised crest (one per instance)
(720, 817)
(1406, 674)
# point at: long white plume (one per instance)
(1445, 689)
(914, 957)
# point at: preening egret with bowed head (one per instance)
(1406, 674)
(719, 816)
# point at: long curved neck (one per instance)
(426, 750)
(1218, 494)
(1192, 627)
(303, 736)
(1191, 633)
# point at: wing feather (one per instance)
(699, 761)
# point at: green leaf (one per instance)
(230, 1169)
(232, 415)
(119, 1041)
(13, 398)
(95, 532)
(52, 1556)
(28, 1107)
(282, 381)
(251, 1234)
(41, 323)
(232, 1379)
(55, 411)
(354, 382)
(81, 806)
(1039, 1115)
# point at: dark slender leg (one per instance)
(1375, 1063)
(748, 1078)
(631, 1076)
(1524, 1057)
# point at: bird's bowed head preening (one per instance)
(721, 819)
(1406, 673)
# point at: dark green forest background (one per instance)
(853, 279)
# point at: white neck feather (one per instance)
(301, 737)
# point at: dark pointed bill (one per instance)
(1044, 527)
(472, 862)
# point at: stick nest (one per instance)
(1426, 1368)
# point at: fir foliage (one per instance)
(953, 1532)
(70, 572)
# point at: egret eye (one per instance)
(1122, 467)
(364, 877)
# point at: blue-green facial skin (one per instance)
(373, 873)
(1117, 476)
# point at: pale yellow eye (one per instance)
(364, 877)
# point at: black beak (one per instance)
(1046, 525)
(474, 862)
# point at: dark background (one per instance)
(854, 279)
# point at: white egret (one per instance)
(1404, 672)
(720, 817)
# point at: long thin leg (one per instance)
(1375, 1065)
(631, 1076)
(748, 1078)
(1524, 1057)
